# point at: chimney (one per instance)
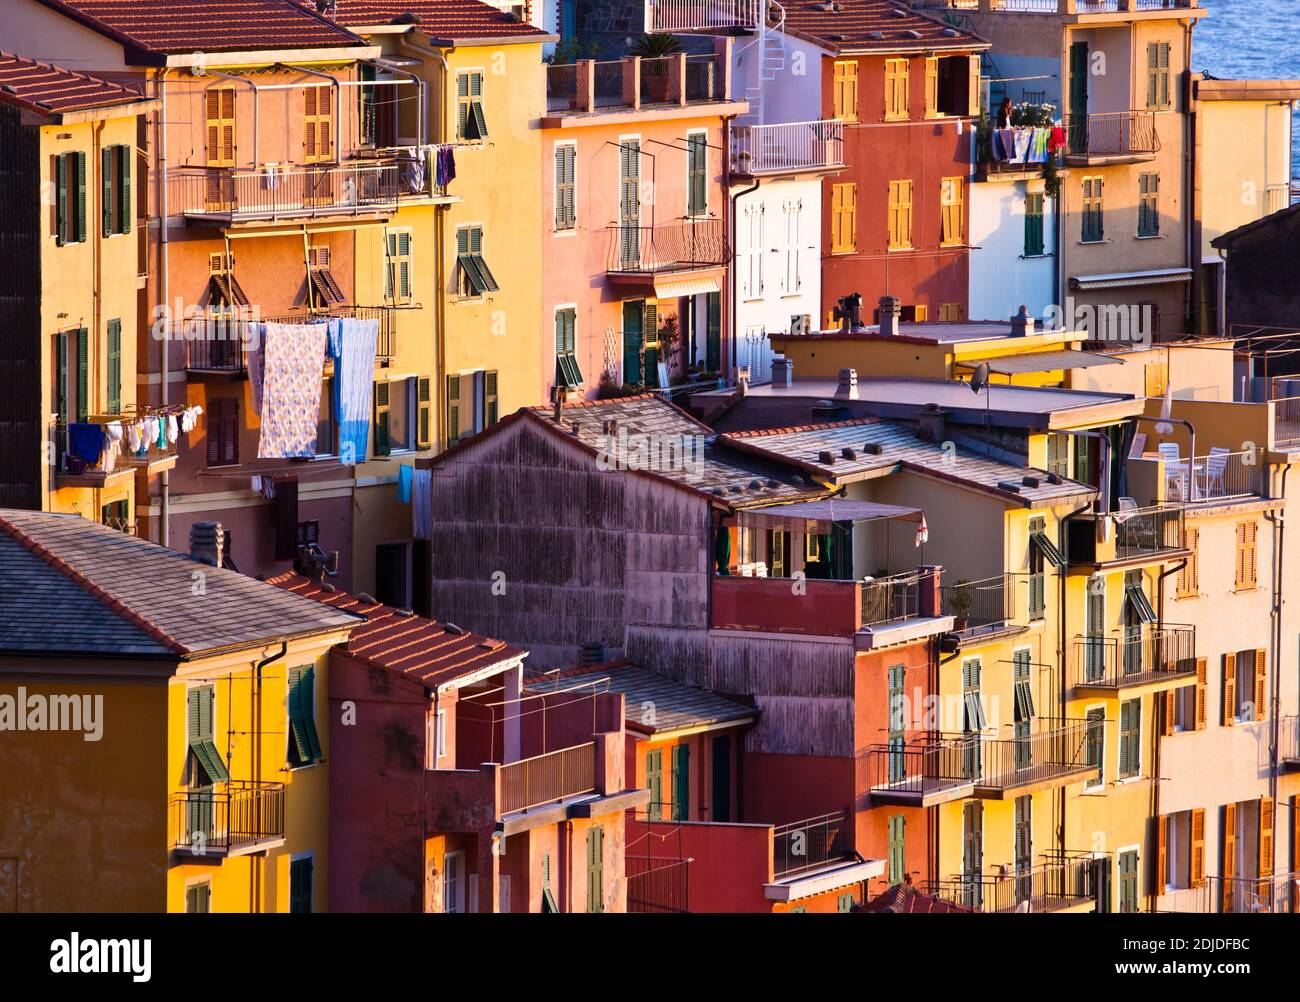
(1022, 324)
(782, 372)
(890, 310)
(742, 380)
(848, 385)
(932, 424)
(207, 540)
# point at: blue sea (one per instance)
(1251, 39)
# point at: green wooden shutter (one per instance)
(382, 445)
(681, 782)
(307, 711)
(193, 714)
(124, 188)
(490, 409)
(595, 869)
(106, 188)
(81, 197)
(424, 401)
(61, 228)
(633, 318)
(404, 265)
(1034, 224)
(61, 365)
(114, 366)
(453, 409)
(697, 168)
(650, 343)
(654, 783)
(83, 374)
(713, 333)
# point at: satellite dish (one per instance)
(980, 378)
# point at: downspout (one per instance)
(1157, 732)
(1279, 538)
(258, 873)
(731, 271)
(1061, 632)
(164, 530)
(1191, 165)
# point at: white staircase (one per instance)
(769, 43)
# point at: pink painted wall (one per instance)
(829, 608)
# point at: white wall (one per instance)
(783, 87)
(777, 267)
(1001, 277)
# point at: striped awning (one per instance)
(670, 288)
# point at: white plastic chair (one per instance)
(1215, 467)
(1176, 470)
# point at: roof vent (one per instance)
(848, 385)
(826, 458)
(891, 310)
(407, 17)
(1053, 478)
(755, 485)
(773, 483)
(366, 597)
(912, 33)
(1022, 324)
(453, 629)
(406, 612)
(1029, 481)
(848, 453)
(835, 38)
(875, 35)
(592, 654)
(1009, 485)
(782, 372)
(610, 427)
(327, 588)
(950, 32)
(932, 424)
(873, 449)
(207, 541)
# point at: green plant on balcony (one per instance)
(961, 603)
(654, 71)
(656, 45)
(570, 50)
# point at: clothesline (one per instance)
(1018, 144)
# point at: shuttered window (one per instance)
(1228, 857)
(222, 418)
(697, 174)
(1196, 862)
(83, 374)
(1093, 217)
(792, 278)
(1130, 731)
(471, 403)
(198, 898)
(931, 86)
(382, 398)
(900, 214)
(1189, 584)
(1037, 569)
(1149, 205)
(844, 90)
(596, 869)
(897, 848)
(1128, 881)
(681, 782)
(475, 277)
(1024, 835)
(896, 89)
(206, 764)
(1158, 75)
(1265, 845)
(304, 743)
(70, 198)
(972, 851)
(1034, 245)
(952, 203)
(115, 189)
(318, 124)
(713, 332)
(471, 123)
(654, 781)
(424, 412)
(567, 372)
(301, 878)
(844, 218)
(220, 126)
(566, 206)
(1246, 554)
(397, 275)
(114, 374)
(1096, 744)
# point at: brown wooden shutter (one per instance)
(1261, 693)
(1196, 876)
(973, 93)
(1202, 691)
(1228, 712)
(1169, 712)
(1265, 836)
(1228, 864)
(1162, 855)
(286, 518)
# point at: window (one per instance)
(697, 174)
(596, 869)
(220, 126)
(844, 218)
(1034, 245)
(567, 373)
(1149, 205)
(1093, 228)
(317, 124)
(1245, 567)
(792, 278)
(548, 898)
(972, 852)
(206, 764)
(1037, 569)
(973, 720)
(950, 312)
(440, 735)
(654, 781)
(900, 215)
(222, 418)
(453, 883)
(397, 272)
(115, 189)
(114, 373)
(1096, 745)
(1158, 75)
(952, 199)
(323, 290)
(566, 206)
(401, 415)
(897, 848)
(304, 744)
(896, 89)
(1245, 691)
(1024, 834)
(845, 902)
(471, 403)
(1130, 733)
(198, 898)
(932, 87)
(471, 125)
(300, 885)
(70, 198)
(1179, 850)
(475, 277)
(1189, 584)
(844, 90)
(754, 251)
(681, 782)
(1058, 454)
(897, 710)
(1128, 880)
(952, 86)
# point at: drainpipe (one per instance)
(257, 749)
(731, 271)
(1061, 631)
(1279, 539)
(1156, 735)
(164, 530)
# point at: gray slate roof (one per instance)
(70, 585)
(676, 704)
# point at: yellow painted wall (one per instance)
(1245, 150)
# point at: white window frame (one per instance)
(1099, 784)
(460, 884)
(571, 231)
(793, 250)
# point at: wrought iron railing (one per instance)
(684, 245)
(922, 766)
(237, 815)
(687, 15)
(1054, 748)
(657, 886)
(891, 599)
(1148, 531)
(544, 779)
(811, 844)
(1112, 134)
(272, 193)
(979, 605)
(1236, 895)
(1116, 662)
(1058, 881)
(788, 146)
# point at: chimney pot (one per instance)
(782, 372)
(207, 541)
(932, 424)
(1022, 324)
(890, 311)
(848, 385)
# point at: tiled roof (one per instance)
(853, 25)
(449, 19)
(646, 423)
(899, 443)
(906, 899)
(208, 25)
(412, 646)
(46, 88)
(104, 592)
(676, 704)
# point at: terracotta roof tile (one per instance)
(854, 25)
(43, 87)
(208, 25)
(408, 645)
(450, 19)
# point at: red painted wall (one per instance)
(827, 608)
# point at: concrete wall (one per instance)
(1002, 278)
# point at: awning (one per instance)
(670, 288)
(1127, 279)
(1042, 361)
(819, 516)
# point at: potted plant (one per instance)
(961, 604)
(655, 49)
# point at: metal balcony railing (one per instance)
(1163, 654)
(1053, 750)
(688, 15)
(1289, 742)
(1236, 895)
(215, 344)
(1112, 134)
(787, 147)
(1058, 881)
(1147, 531)
(1057, 6)
(811, 844)
(232, 194)
(1286, 422)
(923, 768)
(544, 779)
(236, 816)
(891, 599)
(979, 606)
(684, 245)
(561, 86)
(657, 886)
(1221, 474)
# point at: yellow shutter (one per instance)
(1162, 855)
(931, 86)
(318, 121)
(973, 92)
(952, 199)
(1196, 876)
(1251, 529)
(1265, 836)
(845, 90)
(1202, 691)
(1261, 689)
(1295, 834)
(220, 126)
(844, 205)
(1229, 708)
(905, 213)
(896, 89)
(1228, 864)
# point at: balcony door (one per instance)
(1078, 97)
(629, 204)
(453, 883)
(897, 722)
(1095, 630)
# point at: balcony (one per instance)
(980, 608)
(923, 772)
(702, 15)
(1288, 752)
(1062, 7)
(215, 345)
(660, 84)
(1059, 882)
(1219, 476)
(235, 819)
(1236, 895)
(1132, 538)
(545, 779)
(224, 196)
(1116, 137)
(1285, 424)
(1159, 659)
(656, 259)
(787, 148)
(1053, 754)
(72, 470)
